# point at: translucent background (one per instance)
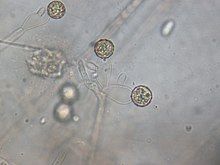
(182, 70)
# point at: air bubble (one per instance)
(69, 92)
(42, 120)
(155, 106)
(167, 28)
(75, 118)
(62, 112)
(94, 75)
(148, 140)
(188, 128)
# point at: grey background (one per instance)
(182, 70)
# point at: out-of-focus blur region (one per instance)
(109, 82)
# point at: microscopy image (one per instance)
(46, 63)
(104, 48)
(56, 9)
(141, 95)
(109, 82)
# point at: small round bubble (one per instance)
(42, 120)
(167, 28)
(75, 118)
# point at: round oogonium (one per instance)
(56, 9)
(104, 48)
(141, 96)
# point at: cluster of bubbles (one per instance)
(63, 111)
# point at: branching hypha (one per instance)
(88, 72)
(34, 20)
(44, 62)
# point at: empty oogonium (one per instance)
(46, 63)
(43, 62)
